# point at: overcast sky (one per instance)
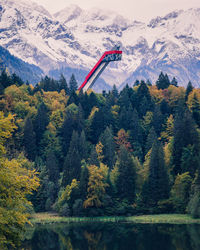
(141, 10)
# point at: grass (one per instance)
(48, 218)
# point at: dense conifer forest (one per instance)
(136, 151)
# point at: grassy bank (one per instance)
(47, 218)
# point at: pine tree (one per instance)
(72, 163)
(66, 130)
(174, 82)
(195, 108)
(52, 167)
(73, 98)
(73, 85)
(156, 188)
(150, 140)
(157, 120)
(194, 202)
(29, 140)
(41, 122)
(80, 119)
(97, 126)
(84, 181)
(124, 98)
(115, 91)
(16, 80)
(136, 134)
(188, 90)
(126, 179)
(136, 83)
(163, 81)
(5, 79)
(83, 146)
(107, 139)
(63, 84)
(93, 158)
(185, 134)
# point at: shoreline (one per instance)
(51, 218)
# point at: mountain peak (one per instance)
(72, 11)
(158, 20)
(23, 5)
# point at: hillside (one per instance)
(26, 71)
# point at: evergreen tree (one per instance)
(136, 134)
(73, 85)
(163, 81)
(125, 97)
(185, 134)
(136, 83)
(93, 159)
(157, 120)
(5, 79)
(143, 99)
(188, 90)
(80, 119)
(84, 181)
(41, 122)
(67, 129)
(115, 91)
(149, 83)
(49, 84)
(92, 101)
(52, 167)
(150, 140)
(156, 188)
(194, 202)
(174, 82)
(124, 118)
(72, 163)
(107, 139)
(16, 80)
(83, 146)
(126, 179)
(195, 109)
(63, 84)
(29, 140)
(73, 98)
(97, 126)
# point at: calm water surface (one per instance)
(112, 236)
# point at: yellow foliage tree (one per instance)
(96, 187)
(16, 182)
(99, 150)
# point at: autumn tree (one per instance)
(16, 182)
(96, 188)
(122, 138)
(180, 192)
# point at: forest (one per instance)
(134, 151)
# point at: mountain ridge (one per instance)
(77, 38)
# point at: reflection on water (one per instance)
(112, 236)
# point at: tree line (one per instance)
(117, 153)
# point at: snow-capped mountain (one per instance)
(75, 39)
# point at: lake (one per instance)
(112, 236)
